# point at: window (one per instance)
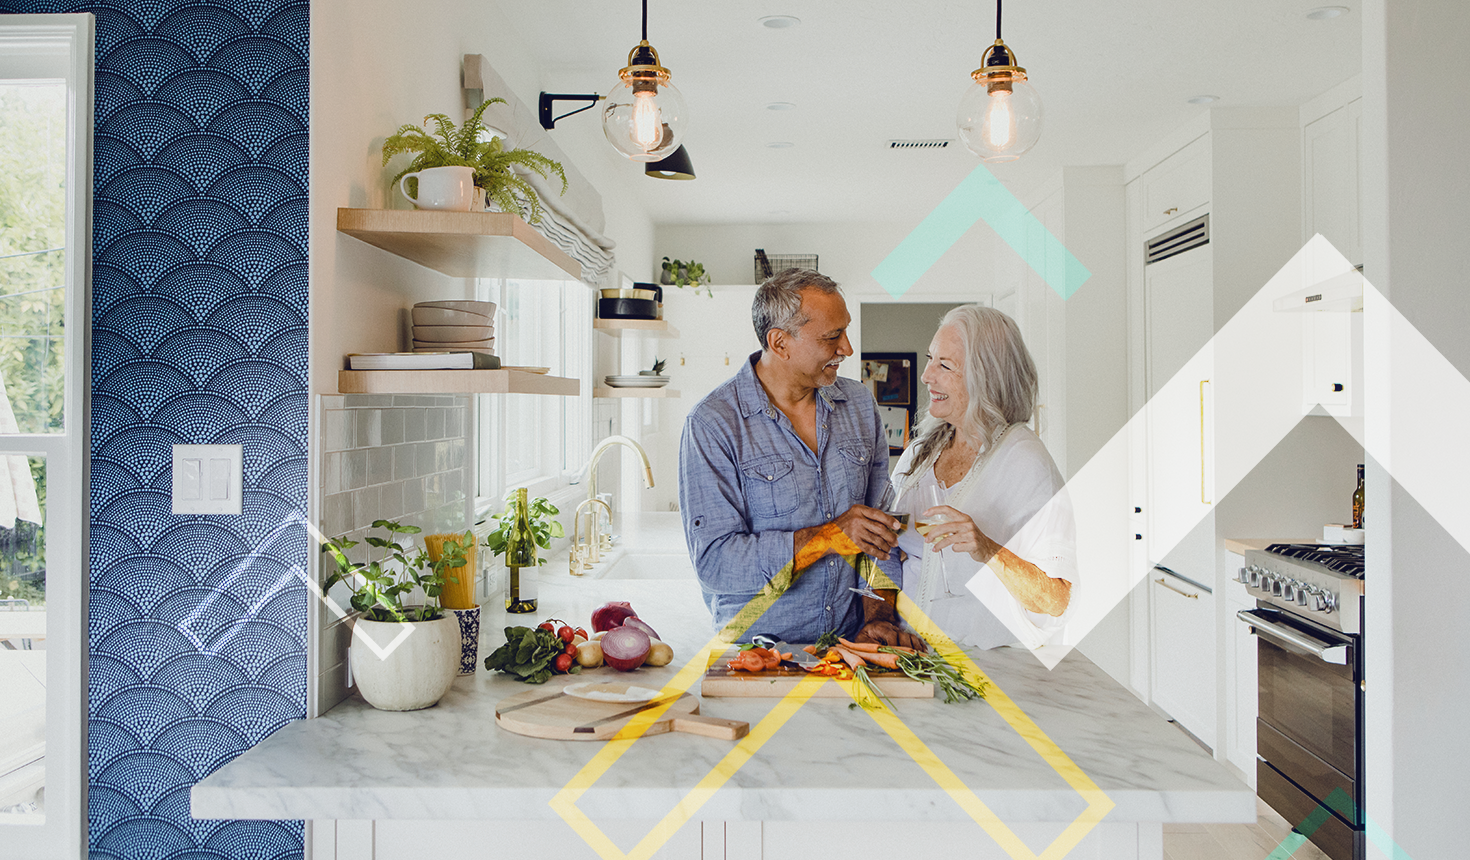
(526, 440)
(45, 250)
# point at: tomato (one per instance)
(566, 633)
(580, 632)
(564, 663)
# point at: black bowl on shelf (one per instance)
(627, 309)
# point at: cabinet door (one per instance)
(1179, 322)
(1177, 186)
(1331, 201)
(1183, 617)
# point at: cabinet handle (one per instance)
(1171, 210)
(1337, 386)
(1137, 509)
(1161, 581)
(1137, 536)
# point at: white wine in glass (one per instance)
(928, 496)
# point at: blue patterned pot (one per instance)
(469, 639)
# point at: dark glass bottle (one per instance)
(520, 560)
(1358, 498)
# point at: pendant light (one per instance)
(1000, 116)
(674, 166)
(645, 115)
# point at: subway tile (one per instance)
(333, 401)
(433, 491)
(365, 507)
(337, 514)
(454, 485)
(379, 465)
(392, 426)
(336, 636)
(354, 470)
(414, 422)
(457, 449)
(336, 424)
(424, 458)
(453, 423)
(413, 497)
(369, 401)
(332, 687)
(369, 428)
(405, 463)
(391, 500)
(433, 423)
(331, 474)
(441, 457)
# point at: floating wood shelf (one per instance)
(454, 382)
(634, 392)
(652, 328)
(462, 244)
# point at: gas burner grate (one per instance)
(1343, 558)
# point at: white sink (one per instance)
(645, 566)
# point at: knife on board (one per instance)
(799, 658)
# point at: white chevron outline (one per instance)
(1415, 402)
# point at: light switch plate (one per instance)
(207, 479)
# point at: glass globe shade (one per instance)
(644, 118)
(1000, 122)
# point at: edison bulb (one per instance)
(644, 118)
(999, 120)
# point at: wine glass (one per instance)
(930, 496)
(888, 504)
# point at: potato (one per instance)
(589, 655)
(659, 654)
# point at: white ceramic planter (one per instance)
(397, 672)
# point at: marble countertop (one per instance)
(1240, 545)
(452, 762)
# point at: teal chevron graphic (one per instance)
(1339, 801)
(981, 197)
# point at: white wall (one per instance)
(1416, 111)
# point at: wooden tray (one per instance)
(547, 713)
(720, 681)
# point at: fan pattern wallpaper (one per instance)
(198, 624)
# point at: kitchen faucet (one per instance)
(591, 551)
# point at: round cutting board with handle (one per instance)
(549, 714)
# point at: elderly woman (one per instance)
(982, 487)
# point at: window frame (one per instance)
(64, 832)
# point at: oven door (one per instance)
(1308, 685)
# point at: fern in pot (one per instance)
(402, 657)
(490, 160)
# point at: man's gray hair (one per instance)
(778, 301)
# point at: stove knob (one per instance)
(1288, 590)
(1329, 601)
(1255, 573)
(1276, 587)
(1243, 576)
(1304, 594)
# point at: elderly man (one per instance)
(784, 453)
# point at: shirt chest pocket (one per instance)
(770, 486)
(857, 462)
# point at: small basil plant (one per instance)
(380, 585)
(543, 528)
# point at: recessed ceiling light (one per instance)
(780, 106)
(1322, 13)
(1202, 100)
(780, 22)
(780, 144)
(780, 211)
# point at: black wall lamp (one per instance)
(676, 165)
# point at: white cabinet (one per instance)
(1331, 200)
(1177, 186)
(1182, 618)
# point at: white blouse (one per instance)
(1016, 496)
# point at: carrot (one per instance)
(858, 646)
(853, 660)
(887, 661)
(786, 656)
(811, 649)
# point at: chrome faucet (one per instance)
(586, 554)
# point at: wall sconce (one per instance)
(674, 166)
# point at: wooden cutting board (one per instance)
(720, 681)
(544, 713)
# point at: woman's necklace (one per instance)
(956, 460)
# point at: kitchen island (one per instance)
(829, 782)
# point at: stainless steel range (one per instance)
(1309, 743)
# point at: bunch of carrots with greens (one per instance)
(845, 659)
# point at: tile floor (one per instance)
(1233, 841)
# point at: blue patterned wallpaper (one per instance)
(198, 624)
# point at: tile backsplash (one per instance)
(397, 457)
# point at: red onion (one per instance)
(610, 615)
(635, 621)
(625, 648)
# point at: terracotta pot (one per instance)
(401, 667)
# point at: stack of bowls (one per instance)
(629, 304)
(448, 325)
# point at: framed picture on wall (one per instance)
(896, 423)
(890, 376)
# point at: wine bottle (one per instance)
(1358, 498)
(520, 559)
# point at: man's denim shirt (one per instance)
(747, 482)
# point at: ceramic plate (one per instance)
(607, 691)
(482, 308)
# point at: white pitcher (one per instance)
(443, 188)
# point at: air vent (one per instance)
(1178, 240)
(919, 144)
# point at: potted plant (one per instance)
(402, 657)
(682, 274)
(449, 146)
(507, 539)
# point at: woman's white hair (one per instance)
(1000, 378)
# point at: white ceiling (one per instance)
(1113, 77)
